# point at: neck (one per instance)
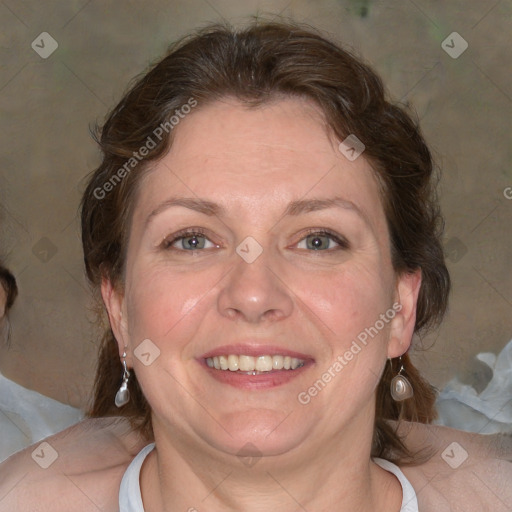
(340, 472)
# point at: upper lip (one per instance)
(254, 349)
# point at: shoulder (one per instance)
(78, 469)
(464, 471)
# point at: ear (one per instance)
(114, 302)
(402, 325)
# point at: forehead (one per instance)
(255, 158)
(257, 139)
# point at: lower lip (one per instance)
(267, 380)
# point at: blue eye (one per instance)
(315, 240)
(322, 241)
(189, 241)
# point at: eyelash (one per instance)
(184, 233)
(341, 241)
(188, 233)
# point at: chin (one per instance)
(258, 432)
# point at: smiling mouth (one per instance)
(249, 365)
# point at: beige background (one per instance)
(48, 104)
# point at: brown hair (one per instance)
(255, 65)
(8, 282)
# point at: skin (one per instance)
(94, 454)
(254, 163)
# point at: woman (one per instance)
(264, 233)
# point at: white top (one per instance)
(409, 501)
(130, 499)
(27, 417)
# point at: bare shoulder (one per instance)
(464, 471)
(78, 469)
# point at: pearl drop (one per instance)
(401, 388)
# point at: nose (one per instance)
(255, 292)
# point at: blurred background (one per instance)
(64, 64)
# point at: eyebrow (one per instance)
(294, 208)
(199, 205)
(311, 205)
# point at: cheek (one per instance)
(347, 300)
(163, 303)
(332, 306)
(347, 307)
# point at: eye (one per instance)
(188, 241)
(323, 241)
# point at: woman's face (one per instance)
(257, 184)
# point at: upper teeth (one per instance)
(243, 363)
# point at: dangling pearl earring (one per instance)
(123, 393)
(401, 388)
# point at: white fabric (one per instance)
(130, 498)
(409, 500)
(489, 411)
(27, 417)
